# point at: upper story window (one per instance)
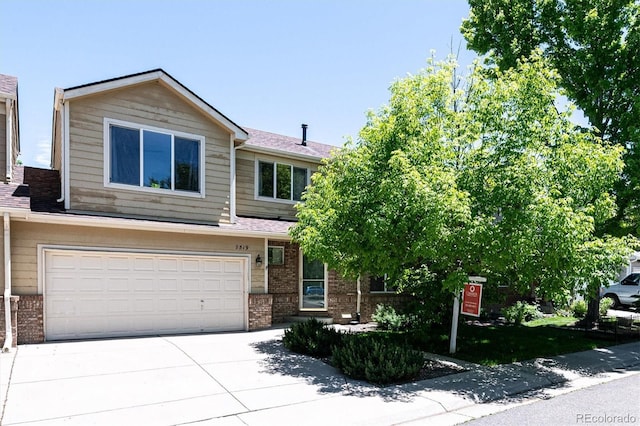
(281, 181)
(153, 159)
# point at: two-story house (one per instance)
(161, 215)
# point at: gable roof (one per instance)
(273, 143)
(8, 86)
(160, 75)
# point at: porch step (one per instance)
(302, 318)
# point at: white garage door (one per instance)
(105, 294)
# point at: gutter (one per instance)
(280, 153)
(142, 225)
(8, 340)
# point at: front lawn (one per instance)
(502, 344)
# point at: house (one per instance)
(161, 215)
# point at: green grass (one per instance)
(502, 344)
(558, 321)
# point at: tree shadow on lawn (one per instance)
(502, 383)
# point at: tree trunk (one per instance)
(593, 312)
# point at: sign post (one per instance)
(471, 303)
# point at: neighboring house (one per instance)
(9, 125)
(161, 215)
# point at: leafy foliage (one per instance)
(311, 337)
(388, 319)
(595, 47)
(606, 303)
(579, 308)
(457, 177)
(521, 312)
(375, 360)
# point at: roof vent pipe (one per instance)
(304, 135)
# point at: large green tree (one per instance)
(477, 177)
(595, 46)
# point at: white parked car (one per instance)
(625, 292)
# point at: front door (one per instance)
(313, 288)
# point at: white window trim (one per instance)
(107, 159)
(301, 280)
(275, 163)
(281, 248)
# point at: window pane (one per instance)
(313, 294)
(376, 284)
(283, 180)
(157, 159)
(299, 182)
(276, 255)
(265, 179)
(312, 269)
(125, 155)
(187, 158)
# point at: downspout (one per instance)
(9, 140)
(232, 200)
(266, 265)
(64, 139)
(8, 340)
(358, 298)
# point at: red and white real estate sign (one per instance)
(472, 299)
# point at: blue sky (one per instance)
(270, 65)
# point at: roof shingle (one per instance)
(287, 144)
(8, 85)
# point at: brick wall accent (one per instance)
(14, 320)
(283, 282)
(30, 319)
(44, 189)
(342, 293)
(260, 312)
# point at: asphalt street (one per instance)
(613, 403)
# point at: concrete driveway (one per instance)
(228, 378)
(250, 379)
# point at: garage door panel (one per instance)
(231, 267)
(212, 266)
(211, 285)
(168, 265)
(118, 306)
(140, 284)
(191, 285)
(118, 263)
(101, 294)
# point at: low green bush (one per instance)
(375, 360)
(521, 312)
(311, 337)
(605, 304)
(579, 308)
(388, 319)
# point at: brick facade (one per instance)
(30, 319)
(342, 293)
(14, 320)
(260, 311)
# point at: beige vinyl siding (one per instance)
(3, 143)
(150, 104)
(246, 203)
(27, 236)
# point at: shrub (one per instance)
(579, 308)
(388, 319)
(521, 312)
(366, 357)
(605, 304)
(311, 337)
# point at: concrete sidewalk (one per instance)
(251, 379)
